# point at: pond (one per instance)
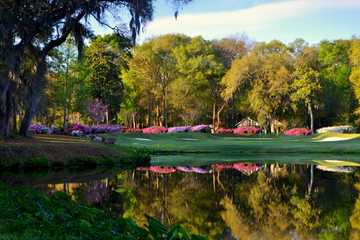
(270, 199)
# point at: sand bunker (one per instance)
(333, 139)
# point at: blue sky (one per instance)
(261, 20)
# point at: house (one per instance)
(247, 122)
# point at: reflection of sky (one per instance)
(262, 20)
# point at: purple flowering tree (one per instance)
(97, 111)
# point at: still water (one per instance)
(257, 200)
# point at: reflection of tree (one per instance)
(239, 227)
(271, 204)
(195, 205)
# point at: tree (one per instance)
(264, 76)
(198, 82)
(355, 71)
(41, 26)
(152, 69)
(306, 86)
(106, 56)
(334, 74)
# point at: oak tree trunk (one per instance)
(34, 96)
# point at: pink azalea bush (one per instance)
(133, 130)
(224, 131)
(298, 132)
(154, 130)
(200, 128)
(246, 131)
(179, 129)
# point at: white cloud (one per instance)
(249, 20)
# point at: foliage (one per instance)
(28, 214)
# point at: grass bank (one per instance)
(55, 151)
(28, 214)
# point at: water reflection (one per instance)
(238, 200)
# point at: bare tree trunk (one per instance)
(165, 113)
(310, 186)
(311, 118)
(218, 120)
(7, 85)
(34, 96)
(214, 115)
(133, 120)
(66, 119)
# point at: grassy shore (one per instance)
(55, 151)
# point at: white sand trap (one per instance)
(143, 139)
(333, 139)
(189, 139)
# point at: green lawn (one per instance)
(207, 143)
(201, 148)
(57, 151)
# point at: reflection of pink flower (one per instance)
(220, 167)
(200, 128)
(160, 169)
(179, 129)
(246, 167)
(192, 169)
(246, 130)
(297, 132)
(154, 130)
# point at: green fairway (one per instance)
(202, 148)
(207, 143)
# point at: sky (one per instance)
(260, 20)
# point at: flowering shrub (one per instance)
(179, 129)
(132, 130)
(297, 132)
(224, 131)
(154, 130)
(246, 131)
(338, 129)
(39, 129)
(200, 128)
(97, 110)
(77, 129)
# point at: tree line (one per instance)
(178, 80)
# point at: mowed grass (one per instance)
(263, 144)
(57, 151)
